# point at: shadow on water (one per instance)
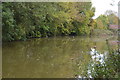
(60, 57)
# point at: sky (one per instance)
(103, 5)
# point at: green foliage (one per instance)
(102, 22)
(110, 69)
(44, 19)
(106, 66)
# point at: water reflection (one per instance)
(61, 57)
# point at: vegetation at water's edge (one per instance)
(111, 67)
(27, 20)
(21, 20)
(105, 66)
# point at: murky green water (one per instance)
(50, 57)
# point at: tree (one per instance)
(28, 20)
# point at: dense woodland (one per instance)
(21, 20)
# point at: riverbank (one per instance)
(103, 33)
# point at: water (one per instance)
(60, 57)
